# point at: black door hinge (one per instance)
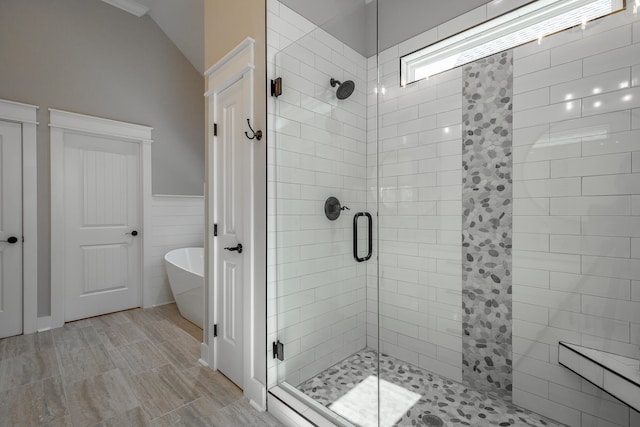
(215, 129)
(215, 331)
(278, 350)
(215, 230)
(276, 87)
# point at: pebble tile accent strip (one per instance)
(487, 196)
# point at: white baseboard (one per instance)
(204, 355)
(44, 323)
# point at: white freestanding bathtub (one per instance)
(185, 268)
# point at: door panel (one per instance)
(10, 226)
(102, 192)
(231, 150)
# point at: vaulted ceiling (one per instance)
(181, 20)
(353, 21)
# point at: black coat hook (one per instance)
(256, 135)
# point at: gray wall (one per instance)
(88, 57)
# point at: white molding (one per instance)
(18, 112)
(99, 126)
(232, 67)
(25, 114)
(62, 122)
(237, 65)
(204, 355)
(44, 324)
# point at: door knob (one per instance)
(236, 248)
(11, 240)
(134, 233)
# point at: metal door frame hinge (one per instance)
(215, 129)
(276, 87)
(278, 350)
(215, 230)
(215, 331)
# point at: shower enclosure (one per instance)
(431, 243)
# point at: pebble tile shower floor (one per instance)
(452, 402)
(133, 368)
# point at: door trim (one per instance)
(25, 115)
(234, 66)
(60, 123)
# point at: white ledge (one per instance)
(617, 375)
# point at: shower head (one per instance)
(344, 89)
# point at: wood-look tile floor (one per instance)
(133, 368)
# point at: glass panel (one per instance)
(322, 191)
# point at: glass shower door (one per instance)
(323, 220)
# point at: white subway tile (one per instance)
(635, 118)
(591, 285)
(531, 135)
(635, 248)
(590, 245)
(532, 63)
(613, 411)
(534, 349)
(535, 170)
(622, 99)
(528, 100)
(546, 224)
(529, 312)
(595, 205)
(611, 184)
(531, 242)
(547, 114)
(612, 143)
(593, 45)
(547, 261)
(546, 151)
(542, 333)
(529, 277)
(613, 309)
(592, 325)
(622, 268)
(547, 298)
(560, 187)
(611, 226)
(636, 162)
(585, 166)
(580, 88)
(547, 77)
(612, 60)
(546, 407)
(533, 206)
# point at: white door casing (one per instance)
(237, 66)
(102, 198)
(24, 116)
(231, 191)
(87, 236)
(10, 229)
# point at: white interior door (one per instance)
(102, 242)
(231, 193)
(10, 229)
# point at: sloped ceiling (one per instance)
(181, 20)
(354, 21)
